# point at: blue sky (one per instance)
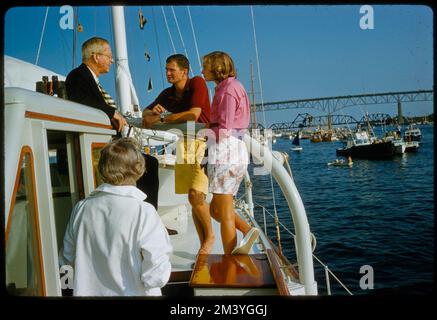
(304, 51)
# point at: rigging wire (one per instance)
(131, 25)
(111, 32)
(42, 36)
(75, 20)
(159, 51)
(95, 21)
(257, 63)
(195, 40)
(197, 50)
(65, 48)
(180, 36)
(168, 29)
(278, 234)
(312, 235)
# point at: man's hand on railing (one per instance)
(150, 117)
(119, 121)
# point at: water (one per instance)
(377, 213)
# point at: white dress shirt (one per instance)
(94, 75)
(116, 244)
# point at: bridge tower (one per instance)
(329, 121)
(400, 117)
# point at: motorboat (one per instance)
(412, 134)
(360, 145)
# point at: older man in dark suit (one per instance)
(83, 86)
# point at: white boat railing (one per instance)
(297, 210)
(325, 267)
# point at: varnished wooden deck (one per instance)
(232, 271)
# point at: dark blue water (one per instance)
(377, 213)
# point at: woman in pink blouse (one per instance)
(228, 157)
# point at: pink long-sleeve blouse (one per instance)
(230, 110)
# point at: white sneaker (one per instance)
(247, 242)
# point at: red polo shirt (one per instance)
(195, 96)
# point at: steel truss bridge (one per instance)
(330, 105)
(334, 104)
(306, 120)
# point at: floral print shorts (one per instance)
(227, 165)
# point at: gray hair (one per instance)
(121, 162)
(93, 45)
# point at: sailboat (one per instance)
(52, 147)
(296, 143)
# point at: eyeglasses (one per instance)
(104, 54)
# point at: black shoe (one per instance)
(171, 232)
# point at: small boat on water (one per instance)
(411, 146)
(399, 145)
(413, 134)
(296, 143)
(360, 145)
(341, 163)
(329, 136)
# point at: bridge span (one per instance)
(334, 104)
(306, 120)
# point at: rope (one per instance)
(180, 36)
(42, 35)
(278, 233)
(195, 40)
(168, 29)
(257, 64)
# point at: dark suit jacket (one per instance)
(82, 88)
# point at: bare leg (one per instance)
(202, 220)
(240, 224)
(199, 229)
(223, 205)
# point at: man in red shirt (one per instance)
(187, 100)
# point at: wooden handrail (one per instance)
(277, 274)
(293, 272)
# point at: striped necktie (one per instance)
(107, 97)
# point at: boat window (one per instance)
(65, 176)
(23, 246)
(95, 154)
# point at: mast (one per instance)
(121, 62)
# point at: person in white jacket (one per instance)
(116, 242)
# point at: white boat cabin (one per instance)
(52, 150)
